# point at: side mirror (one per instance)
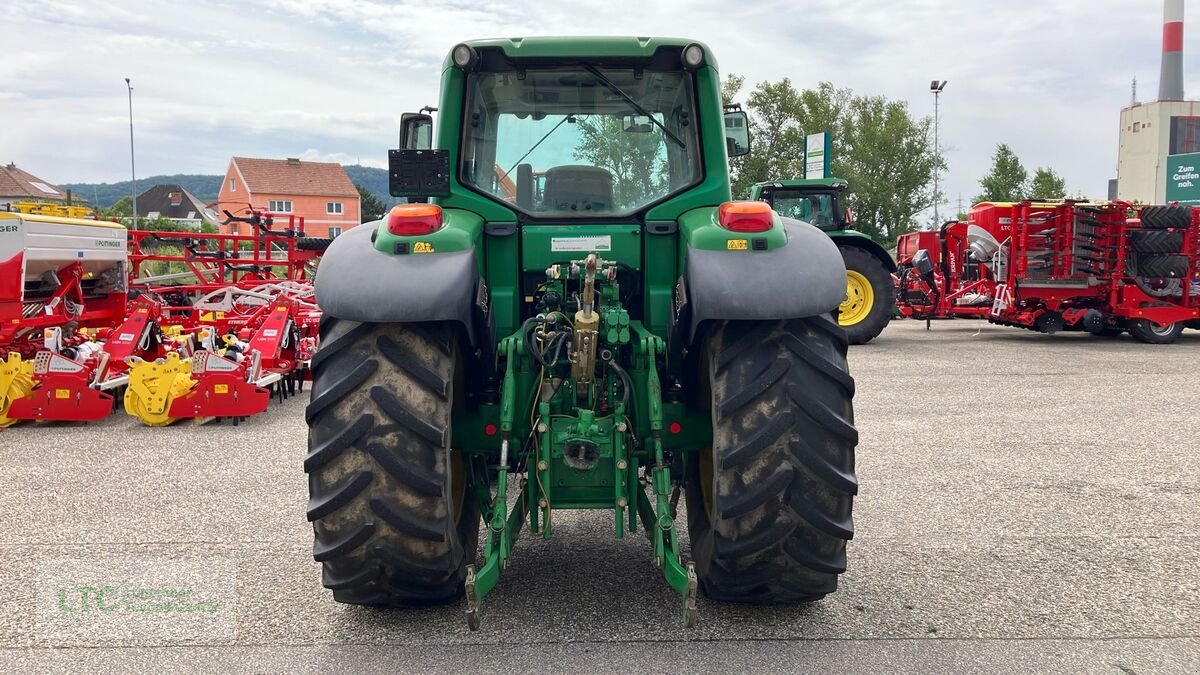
(636, 124)
(737, 133)
(416, 131)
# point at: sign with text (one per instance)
(1183, 178)
(817, 158)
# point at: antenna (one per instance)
(1133, 98)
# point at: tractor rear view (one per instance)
(572, 308)
(869, 302)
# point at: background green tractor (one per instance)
(575, 312)
(870, 292)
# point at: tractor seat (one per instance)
(577, 188)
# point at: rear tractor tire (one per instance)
(769, 504)
(389, 502)
(870, 296)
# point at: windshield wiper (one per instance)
(632, 103)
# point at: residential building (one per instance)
(177, 204)
(320, 192)
(17, 185)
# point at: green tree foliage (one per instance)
(731, 87)
(885, 154)
(636, 160)
(1046, 184)
(371, 207)
(121, 209)
(1007, 181)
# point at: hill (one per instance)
(106, 194)
(207, 186)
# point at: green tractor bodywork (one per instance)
(571, 318)
(870, 299)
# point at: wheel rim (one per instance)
(1161, 331)
(860, 299)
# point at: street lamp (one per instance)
(132, 167)
(936, 87)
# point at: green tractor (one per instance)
(571, 313)
(870, 292)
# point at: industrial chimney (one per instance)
(1170, 82)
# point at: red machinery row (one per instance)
(226, 322)
(1101, 268)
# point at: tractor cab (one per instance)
(819, 202)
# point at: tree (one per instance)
(777, 142)
(636, 160)
(885, 154)
(888, 160)
(1006, 181)
(121, 209)
(1047, 185)
(731, 87)
(370, 206)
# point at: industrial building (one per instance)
(1159, 152)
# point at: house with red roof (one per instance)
(320, 192)
(18, 185)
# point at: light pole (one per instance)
(132, 167)
(936, 87)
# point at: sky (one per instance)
(328, 79)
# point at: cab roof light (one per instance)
(746, 216)
(410, 220)
(464, 57)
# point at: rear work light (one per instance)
(412, 220)
(746, 216)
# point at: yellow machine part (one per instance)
(16, 381)
(154, 385)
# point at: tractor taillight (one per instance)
(409, 220)
(746, 216)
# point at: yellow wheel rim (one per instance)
(860, 299)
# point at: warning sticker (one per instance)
(581, 244)
(125, 337)
(270, 332)
(220, 389)
(62, 393)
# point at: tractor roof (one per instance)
(805, 182)
(576, 47)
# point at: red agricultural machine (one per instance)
(1101, 268)
(173, 324)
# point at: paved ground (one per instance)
(1029, 503)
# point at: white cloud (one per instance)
(331, 77)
